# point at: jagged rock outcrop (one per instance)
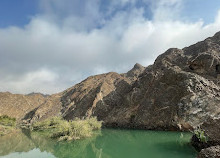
(134, 72)
(209, 148)
(181, 89)
(211, 127)
(211, 152)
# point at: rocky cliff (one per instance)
(178, 92)
(181, 89)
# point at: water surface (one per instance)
(109, 143)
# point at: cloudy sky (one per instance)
(49, 45)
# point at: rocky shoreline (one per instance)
(211, 147)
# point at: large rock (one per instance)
(211, 152)
(211, 129)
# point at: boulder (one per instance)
(211, 152)
(211, 129)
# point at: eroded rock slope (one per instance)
(17, 105)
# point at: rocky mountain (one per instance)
(17, 105)
(178, 92)
(181, 89)
(95, 94)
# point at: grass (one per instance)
(61, 129)
(7, 124)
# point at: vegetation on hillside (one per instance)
(61, 129)
(7, 124)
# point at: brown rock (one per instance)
(17, 105)
(97, 93)
(211, 152)
(134, 72)
(211, 128)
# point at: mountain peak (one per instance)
(138, 66)
(217, 36)
(134, 72)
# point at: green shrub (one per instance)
(7, 124)
(200, 134)
(7, 121)
(48, 124)
(94, 123)
(68, 130)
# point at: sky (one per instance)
(49, 45)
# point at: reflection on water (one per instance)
(35, 153)
(109, 144)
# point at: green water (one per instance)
(108, 143)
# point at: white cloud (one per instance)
(49, 55)
(36, 81)
(166, 9)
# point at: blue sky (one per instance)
(19, 13)
(49, 45)
(13, 12)
(201, 9)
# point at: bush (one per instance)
(68, 130)
(7, 121)
(94, 123)
(200, 134)
(47, 124)
(7, 124)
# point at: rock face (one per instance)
(211, 128)
(49, 108)
(178, 92)
(211, 152)
(181, 88)
(17, 105)
(95, 96)
(134, 72)
(211, 148)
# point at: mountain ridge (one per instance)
(178, 92)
